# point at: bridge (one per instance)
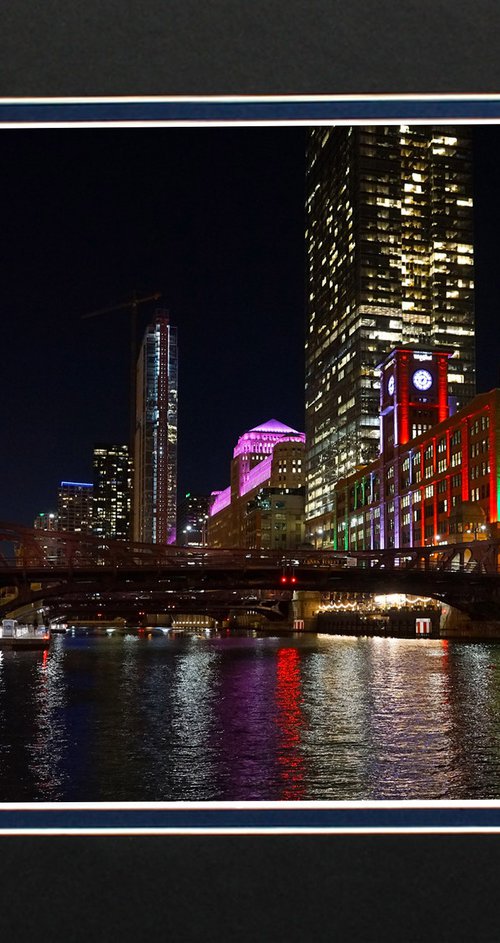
(66, 571)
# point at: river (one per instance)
(199, 717)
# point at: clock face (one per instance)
(422, 379)
(390, 385)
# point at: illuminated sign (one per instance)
(420, 356)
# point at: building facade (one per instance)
(263, 507)
(192, 520)
(155, 456)
(46, 520)
(75, 506)
(437, 477)
(112, 491)
(390, 261)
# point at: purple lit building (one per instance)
(264, 504)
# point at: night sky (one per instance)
(212, 218)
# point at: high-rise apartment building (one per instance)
(112, 491)
(75, 506)
(155, 456)
(390, 258)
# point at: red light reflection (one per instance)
(290, 722)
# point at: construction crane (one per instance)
(131, 305)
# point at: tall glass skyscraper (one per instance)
(155, 458)
(390, 261)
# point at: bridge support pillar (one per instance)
(305, 609)
(457, 624)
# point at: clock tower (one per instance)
(413, 394)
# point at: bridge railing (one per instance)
(22, 548)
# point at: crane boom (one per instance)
(126, 304)
(131, 306)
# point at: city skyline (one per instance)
(232, 277)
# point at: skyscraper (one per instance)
(47, 522)
(155, 457)
(390, 258)
(75, 506)
(112, 486)
(192, 520)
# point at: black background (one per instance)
(405, 888)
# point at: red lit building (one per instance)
(437, 477)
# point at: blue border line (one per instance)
(300, 820)
(289, 111)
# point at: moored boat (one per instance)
(14, 634)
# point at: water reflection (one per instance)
(192, 753)
(245, 732)
(316, 717)
(410, 749)
(290, 722)
(47, 746)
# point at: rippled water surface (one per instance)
(241, 717)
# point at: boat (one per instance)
(14, 634)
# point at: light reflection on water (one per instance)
(240, 717)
